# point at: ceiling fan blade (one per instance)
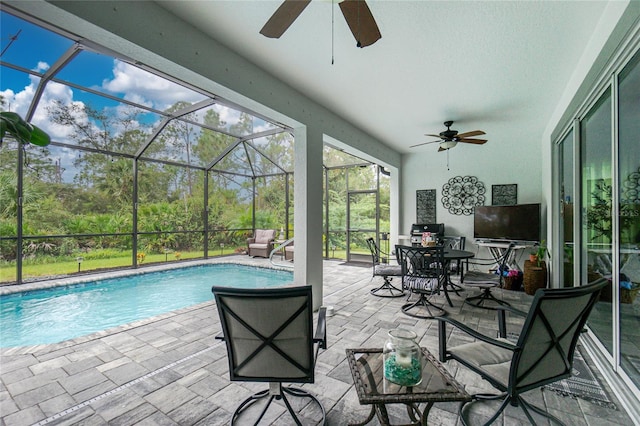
(435, 136)
(361, 22)
(283, 17)
(475, 141)
(472, 133)
(425, 143)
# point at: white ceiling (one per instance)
(498, 66)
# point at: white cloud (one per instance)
(140, 86)
(20, 101)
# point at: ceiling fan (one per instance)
(450, 138)
(356, 13)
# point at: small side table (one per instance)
(437, 385)
(281, 251)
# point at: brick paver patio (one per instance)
(169, 369)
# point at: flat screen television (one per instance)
(520, 222)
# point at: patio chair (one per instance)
(485, 281)
(386, 271)
(261, 244)
(543, 353)
(454, 243)
(269, 338)
(288, 252)
(423, 275)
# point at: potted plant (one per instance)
(541, 253)
(535, 270)
(538, 253)
(14, 125)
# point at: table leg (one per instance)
(412, 410)
(447, 282)
(425, 413)
(446, 291)
(383, 416)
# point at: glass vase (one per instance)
(402, 358)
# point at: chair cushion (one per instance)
(493, 360)
(481, 279)
(420, 284)
(263, 236)
(259, 246)
(387, 270)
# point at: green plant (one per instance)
(12, 124)
(540, 252)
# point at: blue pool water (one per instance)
(62, 313)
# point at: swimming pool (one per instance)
(62, 313)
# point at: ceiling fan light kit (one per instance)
(448, 144)
(356, 12)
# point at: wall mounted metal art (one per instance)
(504, 195)
(426, 206)
(461, 194)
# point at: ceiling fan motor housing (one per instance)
(448, 134)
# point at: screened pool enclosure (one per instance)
(143, 168)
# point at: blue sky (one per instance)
(37, 49)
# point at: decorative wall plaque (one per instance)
(426, 206)
(631, 188)
(504, 195)
(461, 194)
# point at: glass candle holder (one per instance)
(402, 358)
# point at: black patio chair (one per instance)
(423, 275)
(269, 337)
(543, 353)
(454, 243)
(486, 281)
(384, 270)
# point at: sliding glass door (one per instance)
(596, 215)
(567, 197)
(596, 179)
(629, 217)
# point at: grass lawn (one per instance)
(68, 267)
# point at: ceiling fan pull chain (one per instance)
(448, 160)
(358, 44)
(333, 8)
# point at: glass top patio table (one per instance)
(437, 385)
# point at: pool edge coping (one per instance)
(88, 278)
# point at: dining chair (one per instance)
(269, 338)
(542, 354)
(385, 270)
(454, 243)
(486, 281)
(423, 275)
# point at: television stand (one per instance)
(497, 249)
